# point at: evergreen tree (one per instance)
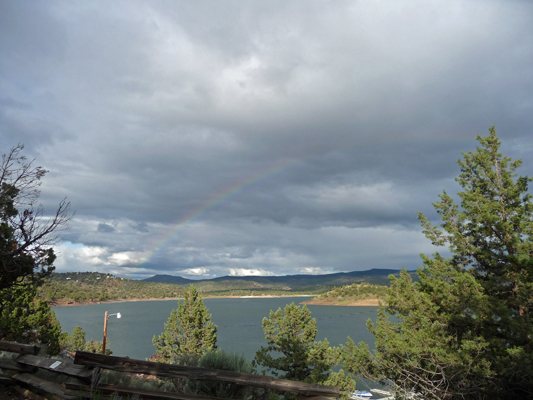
(291, 349)
(465, 330)
(189, 329)
(27, 319)
(77, 342)
(65, 341)
(77, 339)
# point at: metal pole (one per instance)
(105, 333)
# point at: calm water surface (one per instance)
(238, 320)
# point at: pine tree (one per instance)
(28, 319)
(77, 339)
(465, 330)
(189, 329)
(292, 352)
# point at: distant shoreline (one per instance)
(313, 301)
(87, 303)
(351, 303)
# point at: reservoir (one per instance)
(238, 320)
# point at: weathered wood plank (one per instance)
(145, 394)
(6, 380)
(78, 388)
(18, 348)
(125, 364)
(12, 365)
(78, 394)
(59, 366)
(41, 385)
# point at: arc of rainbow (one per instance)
(216, 201)
(227, 195)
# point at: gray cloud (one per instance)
(267, 137)
(105, 228)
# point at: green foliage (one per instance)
(94, 346)
(129, 380)
(292, 352)
(186, 360)
(189, 329)
(78, 287)
(64, 340)
(464, 330)
(78, 339)
(219, 359)
(26, 319)
(290, 332)
(354, 292)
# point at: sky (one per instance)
(210, 138)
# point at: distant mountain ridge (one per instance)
(286, 282)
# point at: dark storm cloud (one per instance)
(266, 137)
(141, 227)
(105, 228)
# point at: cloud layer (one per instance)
(225, 138)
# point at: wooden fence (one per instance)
(83, 376)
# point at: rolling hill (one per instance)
(90, 287)
(297, 284)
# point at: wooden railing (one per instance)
(83, 376)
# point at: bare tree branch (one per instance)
(27, 236)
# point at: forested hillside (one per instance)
(90, 287)
(83, 287)
(309, 284)
(355, 294)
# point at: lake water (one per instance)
(238, 320)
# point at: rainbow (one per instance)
(225, 195)
(216, 201)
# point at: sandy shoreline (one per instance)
(356, 303)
